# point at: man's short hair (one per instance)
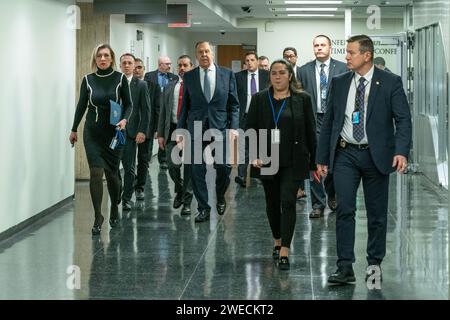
(323, 36)
(365, 43)
(379, 60)
(291, 49)
(129, 55)
(263, 58)
(248, 53)
(185, 56)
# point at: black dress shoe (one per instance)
(240, 181)
(221, 206)
(342, 276)
(283, 263)
(332, 204)
(140, 195)
(276, 252)
(126, 205)
(178, 201)
(316, 213)
(163, 165)
(186, 210)
(202, 216)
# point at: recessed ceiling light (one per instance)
(311, 9)
(312, 2)
(309, 15)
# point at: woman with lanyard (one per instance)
(100, 92)
(285, 112)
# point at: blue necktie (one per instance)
(206, 87)
(358, 129)
(253, 85)
(323, 89)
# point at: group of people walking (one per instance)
(331, 122)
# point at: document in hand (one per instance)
(115, 113)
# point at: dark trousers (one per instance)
(351, 166)
(199, 181)
(129, 168)
(182, 185)
(162, 156)
(281, 194)
(143, 160)
(243, 167)
(320, 190)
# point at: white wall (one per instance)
(158, 40)
(299, 34)
(37, 100)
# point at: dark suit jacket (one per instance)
(260, 116)
(154, 93)
(152, 76)
(307, 77)
(140, 118)
(166, 110)
(388, 120)
(242, 87)
(221, 113)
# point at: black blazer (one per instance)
(166, 110)
(152, 76)
(388, 120)
(221, 112)
(307, 78)
(260, 116)
(155, 94)
(242, 87)
(140, 118)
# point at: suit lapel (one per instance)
(218, 82)
(312, 72)
(375, 83)
(346, 83)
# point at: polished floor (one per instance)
(158, 254)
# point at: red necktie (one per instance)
(180, 99)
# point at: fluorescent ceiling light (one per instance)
(312, 2)
(197, 23)
(309, 15)
(311, 9)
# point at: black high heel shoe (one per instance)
(97, 228)
(276, 252)
(283, 263)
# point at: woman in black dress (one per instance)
(97, 89)
(285, 112)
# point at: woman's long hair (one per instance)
(294, 85)
(94, 56)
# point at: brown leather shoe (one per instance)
(316, 213)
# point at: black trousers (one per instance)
(129, 168)
(351, 166)
(198, 178)
(281, 194)
(143, 160)
(182, 185)
(243, 167)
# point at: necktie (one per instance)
(180, 100)
(358, 129)
(253, 84)
(323, 89)
(206, 87)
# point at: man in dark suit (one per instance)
(168, 119)
(209, 102)
(366, 135)
(248, 82)
(136, 127)
(161, 77)
(315, 77)
(145, 148)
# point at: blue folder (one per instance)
(115, 113)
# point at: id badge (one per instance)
(275, 136)
(114, 143)
(356, 117)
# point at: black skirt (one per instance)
(97, 137)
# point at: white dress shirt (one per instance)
(249, 87)
(347, 130)
(326, 69)
(211, 77)
(176, 95)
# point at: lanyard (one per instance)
(276, 118)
